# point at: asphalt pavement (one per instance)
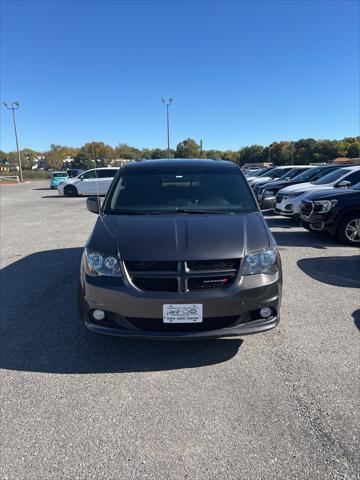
(76, 405)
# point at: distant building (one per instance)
(346, 161)
(259, 165)
(119, 162)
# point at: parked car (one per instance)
(57, 178)
(259, 185)
(92, 182)
(180, 250)
(336, 212)
(74, 172)
(266, 194)
(288, 199)
(252, 171)
(258, 173)
(273, 174)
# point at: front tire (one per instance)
(70, 191)
(349, 229)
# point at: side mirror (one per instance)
(343, 184)
(93, 204)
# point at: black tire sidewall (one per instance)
(70, 188)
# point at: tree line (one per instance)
(303, 151)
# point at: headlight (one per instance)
(101, 264)
(264, 261)
(323, 206)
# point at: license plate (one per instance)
(183, 313)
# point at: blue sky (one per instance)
(241, 72)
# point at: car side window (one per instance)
(353, 178)
(110, 173)
(88, 175)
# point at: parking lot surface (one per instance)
(75, 405)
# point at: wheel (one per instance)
(70, 191)
(349, 229)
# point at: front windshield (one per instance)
(266, 172)
(294, 172)
(256, 173)
(59, 174)
(308, 174)
(331, 177)
(278, 172)
(180, 189)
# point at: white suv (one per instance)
(91, 182)
(288, 199)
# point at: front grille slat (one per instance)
(306, 208)
(151, 265)
(221, 265)
(156, 284)
(182, 276)
(207, 283)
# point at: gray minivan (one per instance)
(179, 250)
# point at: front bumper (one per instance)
(288, 207)
(318, 222)
(268, 203)
(138, 314)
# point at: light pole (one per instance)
(15, 106)
(167, 102)
(292, 152)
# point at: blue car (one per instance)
(57, 178)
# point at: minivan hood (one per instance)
(180, 236)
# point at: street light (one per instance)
(167, 102)
(292, 152)
(15, 106)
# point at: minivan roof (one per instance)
(179, 162)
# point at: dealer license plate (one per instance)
(183, 313)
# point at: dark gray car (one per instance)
(180, 250)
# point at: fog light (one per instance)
(98, 314)
(266, 312)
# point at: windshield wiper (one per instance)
(128, 212)
(200, 212)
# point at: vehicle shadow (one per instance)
(42, 188)
(356, 317)
(42, 332)
(281, 222)
(338, 271)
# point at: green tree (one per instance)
(126, 151)
(252, 154)
(55, 156)
(82, 160)
(188, 149)
(100, 151)
(28, 158)
(214, 154)
(158, 153)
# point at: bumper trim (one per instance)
(256, 326)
